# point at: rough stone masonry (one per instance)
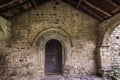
(53, 20)
(23, 51)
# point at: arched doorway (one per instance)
(53, 57)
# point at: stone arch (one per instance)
(48, 32)
(114, 46)
(105, 41)
(53, 33)
(108, 26)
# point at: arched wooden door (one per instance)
(53, 57)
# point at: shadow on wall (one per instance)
(4, 31)
(4, 37)
(3, 62)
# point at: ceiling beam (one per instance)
(13, 7)
(97, 8)
(8, 14)
(80, 1)
(116, 1)
(11, 2)
(113, 3)
(116, 5)
(115, 10)
(95, 15)
(34, 3)
(72, 2)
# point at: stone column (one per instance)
(105, 60)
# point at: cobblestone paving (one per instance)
(58, 78)
(73, 78)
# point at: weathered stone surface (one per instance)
(4, 37)
(56, 77)
(115, 47)
(4, 31)
(75, 30)
(23, 54)
(106, 38)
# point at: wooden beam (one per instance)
(80, 1)
(116, 2)
(34, 3)
(72, 2)
(8, 14)
(92, 13)
(20, 1)
(1, 6)
(113, 3)
(97, 8)
(115, 10)
(116, 5)
(13, 7)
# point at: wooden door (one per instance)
(53, 57)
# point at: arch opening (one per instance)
(106, 29)
(114, 41)
(53, 57)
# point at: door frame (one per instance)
(62, 57)
(53, 33)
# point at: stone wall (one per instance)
(4, 40)
(106, 27)
(115, 47)
(5, 26)
(105, 30)
(75, 30)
